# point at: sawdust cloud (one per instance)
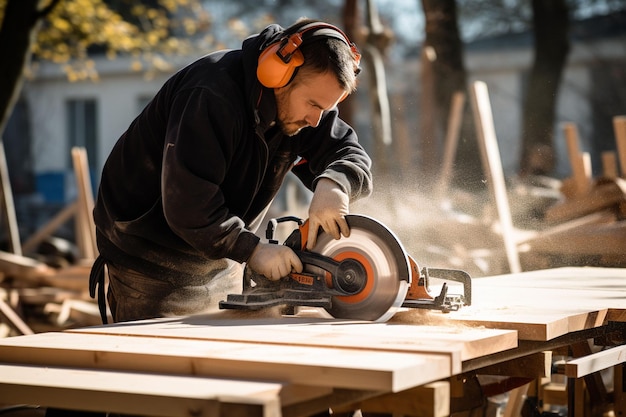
(455, 228)
(437, 231)
(423, 317)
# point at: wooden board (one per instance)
(538, 305)
(327, 367)
(139, 393)
(492, 165)
(457, 341)
(595, 362)
(542, 305)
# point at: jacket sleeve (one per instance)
(200, 138)
(332, 151)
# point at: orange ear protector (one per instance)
(278, 62)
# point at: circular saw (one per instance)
(378, 286)
(365, 276)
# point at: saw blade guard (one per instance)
(385, 263)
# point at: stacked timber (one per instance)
(47, 290)
(36, 297)
(588, 224)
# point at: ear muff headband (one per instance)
(278, 62)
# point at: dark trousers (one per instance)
(133, 295)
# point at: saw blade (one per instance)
(386, 265)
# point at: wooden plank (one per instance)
(568, 289)
(609, 165)
(595, 362)
(539, 305)
(344, 368)
(586, 240)
(8, 206)
(541, 319)
(588, 278)
(490, 155)
(431, 400)
(137, 393)
(13, 318)
(23, 267)
(619, 390)
(619, 126)
(601, 196)
(50, 227)
(579, 161)
(545, 304)
(86, 231)
(538, 365)
(554, 394)
(73, 277)
(459, 343)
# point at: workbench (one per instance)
(231, 363)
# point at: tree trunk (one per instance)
(352, 29)
(551, 26)
(374, 51)
(17, 33)
(444, 74)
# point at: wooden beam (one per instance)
(50, 227)
(490, 154)
(580, 162)
(607, 194)
(23, 267)
(336, 367)
(609, 165)
(14, 320)
(8, 207)
(537, 365)
(619, 390)
(138, 393)
(553, 394)
(431, 400)
(619, 126)
(86, 231)
(595, 362)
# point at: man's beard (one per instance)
(289, 128)
(292, 128)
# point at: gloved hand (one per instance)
(274, 261)
(328, 209)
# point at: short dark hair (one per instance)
(322, 54)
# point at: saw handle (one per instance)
(315, 259)
(272, 224)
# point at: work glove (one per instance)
(328, 210)
(274, 261)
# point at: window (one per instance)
(82, 127)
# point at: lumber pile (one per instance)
(44, 281)
(55, 300)
(587, 226)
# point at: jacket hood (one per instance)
(261, 98)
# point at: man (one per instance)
(185, 186)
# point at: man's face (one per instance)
(300, 104)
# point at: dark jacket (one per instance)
(203, 160)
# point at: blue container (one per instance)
(51, 185)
